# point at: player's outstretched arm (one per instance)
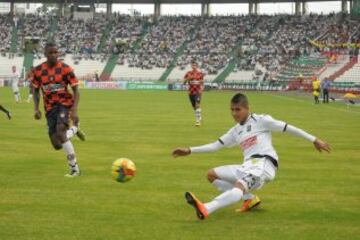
(211, 147)
(318, 143)
(321, 145)
(179, 152)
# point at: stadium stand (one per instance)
(34, 27)
(351, 75)
(264, 48)
(333, 67)
(5, 33)
(80, 36)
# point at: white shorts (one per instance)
(15, 87)
(252, 174)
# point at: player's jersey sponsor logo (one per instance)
(248, 128)
(195, 82)
(56, 87)
(249, 142)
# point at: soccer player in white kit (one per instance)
(15, 76)
(253, 134)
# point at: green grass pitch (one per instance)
(314, 196)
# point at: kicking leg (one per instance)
(220, 184)
(198, 110)
(232, 193)
(68, 147)
(250, 201)
(226, 198)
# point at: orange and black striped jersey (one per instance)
(54, 82)
(196, 81)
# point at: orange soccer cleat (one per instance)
(201, 211)
(249, 204)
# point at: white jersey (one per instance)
(15, 76)
(254, 136)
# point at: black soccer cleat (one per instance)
(80, 134)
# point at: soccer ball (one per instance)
(123, 170)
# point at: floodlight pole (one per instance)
(157, 9)
(297, 8)
(61, 6)
(344, 6)
(92, 8)
(256, 8)
(205, 9)
(251, 8)
(12, 9)
(304, 8)
(108, 8)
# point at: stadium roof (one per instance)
(155, 1)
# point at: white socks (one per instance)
(222, 185)
(248, 196)
(29, 98)
(71, 132)
(17, 96)
(70, 154)
(198, 114)
(227, 198)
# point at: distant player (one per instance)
(316, 89)
(253, 134)
(53, 78)
(15, 77)
(195, 79)
(29, 76)
(7, 112)
(325, 86)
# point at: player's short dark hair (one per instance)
(241, 99)
(50, 45)
(194, 62)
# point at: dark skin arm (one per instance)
(74, 116)
(36, 93)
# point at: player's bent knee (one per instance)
(57, 146)
(61, 133)
(55, 142)
(211, 175)
(61, 128)
(240, 186)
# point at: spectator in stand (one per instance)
(5, 33)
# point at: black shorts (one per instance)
(57, 115)
(196, 98)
